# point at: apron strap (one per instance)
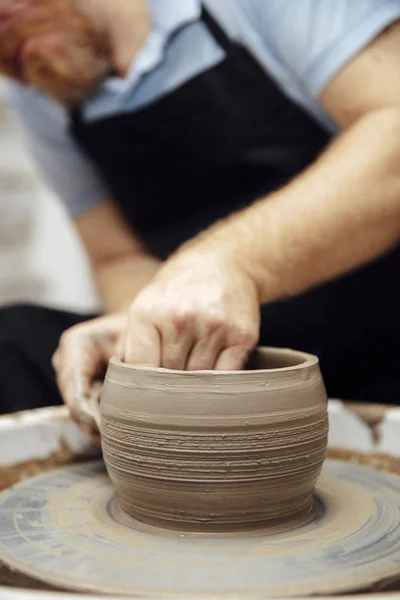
(216, 30)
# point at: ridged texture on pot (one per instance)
(216, 451)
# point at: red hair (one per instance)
(66, 52)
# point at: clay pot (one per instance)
(216, 451)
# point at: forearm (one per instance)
(121, 279)
(342, 212)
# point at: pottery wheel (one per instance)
(65, 528)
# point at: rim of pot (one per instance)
(306, 361)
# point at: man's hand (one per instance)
(80, 363)
(201, 312)
(202, 309)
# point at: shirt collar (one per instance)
(169, 15)
(166, 17)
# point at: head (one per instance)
(54, 45)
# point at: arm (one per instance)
(345, 209)
(202, 310)
(121, 265)
(121, 268)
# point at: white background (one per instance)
(41, 259)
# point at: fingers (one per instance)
(183, 340)
(142, 344)
(79, 362)
(240, 342)
(120, 347)
(195, 315)
(178, 354)
(177, 339)
(77, 403)
(173, 339)
(75, 382)
(232, 359)
(205, 353)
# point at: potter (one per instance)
(232, 170)
(217, 451)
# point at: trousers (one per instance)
(29, 335)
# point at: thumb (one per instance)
(142, 344)
(85, 403)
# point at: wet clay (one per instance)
(66, 529)
(216, 451)
(379, 461)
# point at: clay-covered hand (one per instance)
(201, 312)
(80, 363)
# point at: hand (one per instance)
(201, 312)
(80, 363)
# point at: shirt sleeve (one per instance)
(66, 170)
(314, 39)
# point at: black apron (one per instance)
(220, 141)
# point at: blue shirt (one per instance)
(301, 43)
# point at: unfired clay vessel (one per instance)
(216, 451)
